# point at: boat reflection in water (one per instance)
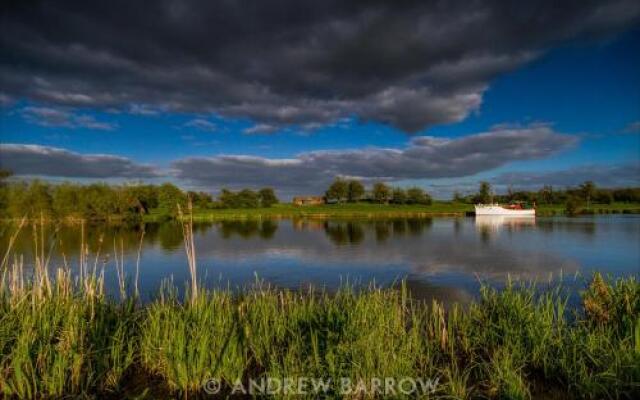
(497, 222)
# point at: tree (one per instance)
(141, 198)
(38, 200)
(65, 200)
(546, 194)
(603, 197)
(339, 190)
(228, 199)
(399, 196)
(267, 197)
(200, 199)
(572, 207)
(381, 192)
(4, 174)
(588, 189)
(458, 198)
(484, 194)
(248, 198)
(355, 190)
(169, 196)
(415, 195)
(4, 192)
(99, 201)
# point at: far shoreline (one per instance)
(362, 210)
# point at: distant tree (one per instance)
(4, 192)
(169, 196)
(603, 197)
(415, 195)
(458, 198)
(626, 195)
(572, 206)
(484, 194)
(99, 201)
(248, 198)
(4, 174)
(228, 199)
(66, 200)
(399, 196)
(588, 189)
(267, 197)
(355, 190)
(381, 192)
(141, 198)
(201, 200)
(38, 200)
(339, 190)
(546, 194)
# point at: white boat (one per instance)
(510, 210)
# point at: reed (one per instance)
(61, 336)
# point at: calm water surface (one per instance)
(440, 257)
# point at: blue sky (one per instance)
(586, 88)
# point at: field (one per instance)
(367, 210)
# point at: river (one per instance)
(443, 258)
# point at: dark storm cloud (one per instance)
(24, 159)
(424, 157)
(618, 175)
(411, 64)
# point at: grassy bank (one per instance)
(367, 210)
(68, 339)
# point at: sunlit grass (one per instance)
(372, 210)
(511, 343)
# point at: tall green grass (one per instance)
(515, 343)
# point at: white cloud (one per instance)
(424, 157)
(201, 124)
(60, 118)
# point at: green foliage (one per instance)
(381, 192)
(169, 197)
(416, 195)
(267, 197)
(572, 207)
(626, 195)
(588, 190)
(399, 196)
(338, 191)
(188, 344)
(355, 191)
(520, 342)
(484, 193)
(245, 198)
(4, 174)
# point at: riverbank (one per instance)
(68, 340)
(367, 210)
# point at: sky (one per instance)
(292, 94)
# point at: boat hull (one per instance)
(498, 210)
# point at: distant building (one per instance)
(308, 200)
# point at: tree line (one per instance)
(352, 191)
(585, 194)
(101, 201)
